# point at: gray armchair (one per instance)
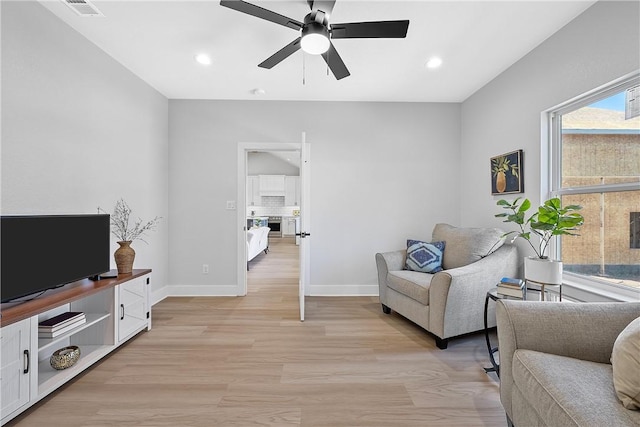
(555, 367)
(450, 302)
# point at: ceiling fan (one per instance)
(316, 32)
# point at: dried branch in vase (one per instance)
(121, 228)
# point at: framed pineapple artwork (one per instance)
(507, 174)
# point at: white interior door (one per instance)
(305, 229)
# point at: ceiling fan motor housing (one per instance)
(315, 34)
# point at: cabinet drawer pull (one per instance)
(27, 362)
(121, 311)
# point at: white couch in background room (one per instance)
(257, 241)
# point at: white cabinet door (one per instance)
(288, 226)
(271, 185)
(253, 191)
(292, 191)
(15, 365)
(132, 307)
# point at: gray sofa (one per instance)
(450, 302)
(555, 365)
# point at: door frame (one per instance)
(241, 204)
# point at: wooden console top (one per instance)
(14, 312)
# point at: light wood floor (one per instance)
(249, 361)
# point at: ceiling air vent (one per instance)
(83, 8)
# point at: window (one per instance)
(595, 163)
(634, 230)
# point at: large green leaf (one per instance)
(555, 203)
(526, 204)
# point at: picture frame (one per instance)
(507, 173)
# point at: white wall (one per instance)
(380, 173)
(79, 130)
(597, 47)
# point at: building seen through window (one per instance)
(599, 164)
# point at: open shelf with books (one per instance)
(92, 319)
(94, 335)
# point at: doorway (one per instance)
(284, 249)
(272, 197)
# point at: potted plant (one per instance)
(550, 220)
(126, 234)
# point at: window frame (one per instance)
(579, 287)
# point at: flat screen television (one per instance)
(42, 252)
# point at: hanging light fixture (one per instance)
(315, 34)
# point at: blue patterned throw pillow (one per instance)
(424, 257)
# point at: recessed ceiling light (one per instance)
(203, 59)
(434, 62)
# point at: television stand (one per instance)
(108, 275)
(116, 310)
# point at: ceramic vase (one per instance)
(543, 271)
(124, 256)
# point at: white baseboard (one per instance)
(342, 290)
(159, 295)
(232, 290)
(202, 291)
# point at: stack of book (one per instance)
(60, 324)
(512, 287)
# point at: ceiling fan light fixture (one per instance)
(315, 38)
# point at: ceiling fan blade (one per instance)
(335, 63)
(262, 13)
(281, 55)
(373, 30)
(324, 5)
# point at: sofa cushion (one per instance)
(562, 389)
(625, 359)
(424, 257)
(413, 284)
(466, 245)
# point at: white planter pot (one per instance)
(543, 271)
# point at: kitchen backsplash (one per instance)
(272, 205)
(272, 201)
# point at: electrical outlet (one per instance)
(205, 268)
(231, 205)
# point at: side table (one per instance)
(492, 294)
(553, 293)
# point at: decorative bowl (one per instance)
(65, 357)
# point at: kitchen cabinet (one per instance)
(292, 191)
(253, 191)
(272, 185)
(288, 226)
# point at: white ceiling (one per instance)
(477, 40)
